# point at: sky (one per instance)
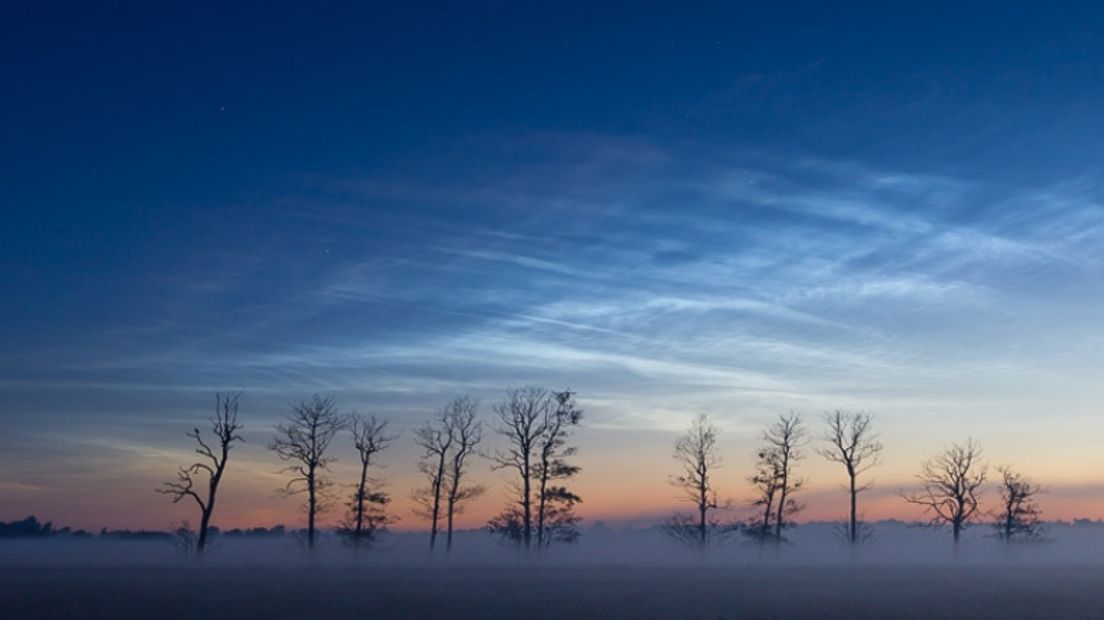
(732, 209)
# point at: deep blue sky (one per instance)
(721, 208)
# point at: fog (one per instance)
(903, 572)
(891, 544)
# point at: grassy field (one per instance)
(553, 593)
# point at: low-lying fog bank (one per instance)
(813, 545)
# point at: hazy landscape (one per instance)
(905, 573)
(551, 310)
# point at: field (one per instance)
(582, 592)
(904, 573)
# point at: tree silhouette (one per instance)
(696, 452)
(853, 444)
(556, 519)
(950, 487)
(522, 416)
(775, 480)
(785, 438)
(435, 438)
(466, 432)
(765, 481)
(1019, 518)
(183, 538)
(303, 440)
(536, 424)
(367, 505)
(224, 428)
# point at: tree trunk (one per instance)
(358, 527)
(542, 501)
(767, 516)
(209, 507)
(781, 510)
(854, 524)
(703, 508)
(451, 509)
(527, 503)
(312, 507)
(435, 516)
(201, 540)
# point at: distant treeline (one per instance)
(31, 527)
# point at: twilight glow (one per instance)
(739, 215)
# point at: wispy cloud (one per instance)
(656, 283)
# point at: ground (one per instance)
(553, 593)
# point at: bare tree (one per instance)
(556, 519)
(536, 424)
(224, 428)
(765, 481)
(466, 432)
(1019, 519)
(521, 419)
(435, 438)
(784, 440)
(696, 452)
(183, 538)
(367, 506)
(303, 440)
(950, 487)
(853, 444)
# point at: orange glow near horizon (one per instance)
(255, 505)
(624, 481)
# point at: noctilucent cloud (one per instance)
(732, 210)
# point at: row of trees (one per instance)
(950, 483)
(536, 426)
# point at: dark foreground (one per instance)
(554, 592)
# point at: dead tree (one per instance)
(1019, 518)
(304, 440)
(765, 481)
(224, 428)
(367, 506)
(536, 423)
(853, 444)
(435, 437)
(522, 416)
(556, 520)
(466, 431)
(951, 487)
(784, 440)
(697, 454)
